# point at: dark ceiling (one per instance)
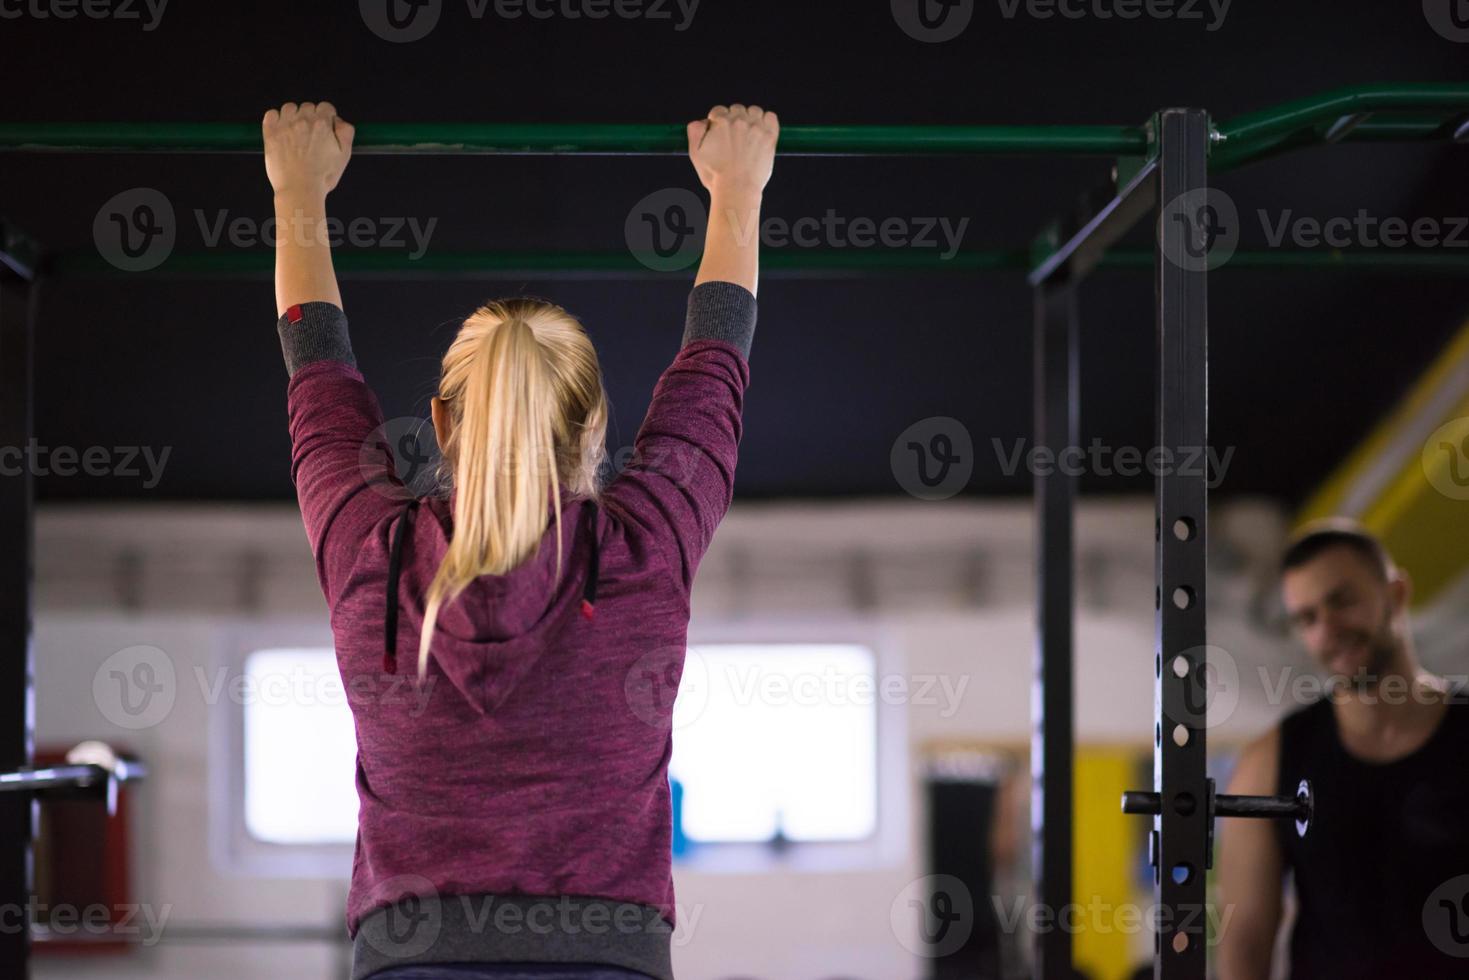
(1302, 362)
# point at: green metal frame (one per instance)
(1366, 113)
(561, 139)
(791, 262)
(1433, 110)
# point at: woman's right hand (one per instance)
(733, 149)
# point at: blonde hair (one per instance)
(529, 413)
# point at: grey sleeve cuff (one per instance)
(721, 311)
(314, 332)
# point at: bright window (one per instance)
(777, 736)
(766, 737)
(300, 749)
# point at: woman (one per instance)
(514, 804)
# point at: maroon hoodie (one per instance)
(516, 807)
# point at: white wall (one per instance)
(949, 583)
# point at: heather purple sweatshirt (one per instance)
(516, 808)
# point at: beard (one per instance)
(1382, 650)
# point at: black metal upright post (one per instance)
(17, 542)
(1072, 248)
(1180, 838)
(1051, 738)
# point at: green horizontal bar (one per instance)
(1420, 260)
(1305, 121)
(1444, 260)
(590, 138)
(1254, 135)
(1292, 116)
(365, 264)
(386, 265)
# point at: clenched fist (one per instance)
(306, 147)
(733, 149)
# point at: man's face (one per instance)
(1344, 613)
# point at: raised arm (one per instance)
(733, 151)
(1250, 870)
(340, 463)
(680, 482)
(306, 149)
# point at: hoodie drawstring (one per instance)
(589, 591)
(395, 563)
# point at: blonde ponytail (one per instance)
(528, 413)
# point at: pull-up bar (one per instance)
(227, 264)
(1414, 112)
(556, 139)
(1377, 112)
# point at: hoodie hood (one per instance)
(491, 635)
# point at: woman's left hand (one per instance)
(306, 148)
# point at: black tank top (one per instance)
(1382, 877)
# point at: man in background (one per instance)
(1386, 749)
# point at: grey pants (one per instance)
(508, 971)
